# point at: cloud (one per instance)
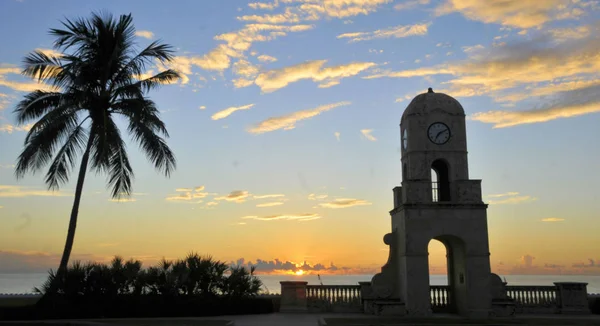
(570, 104)
(266, 58)
(367, 134)
(510, 193)
(271, 204)
(8, 128)
(188, 194)
(202, 107)
(10, 191)
(564, 76)
(337, 135)
(345, 203)
(400, 31)
(515, 13)
(273, 80)
(289, 121)
(309, 10)
(410, 4)
(268, 196)
(21, 86)
(510, 198)
(316, 197)
(553, 219)
(235, 45)
(145, 34)
(227, 112)
(50, 52)
(237, 196)
(289, 217)
(264, 5)
(123, 200)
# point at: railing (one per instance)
(534, 299)
(342, 298)
(440, 298)
(434, 192)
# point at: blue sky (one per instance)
(315, 91)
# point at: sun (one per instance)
(299, 272)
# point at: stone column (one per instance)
(572, 297)
(293, 296)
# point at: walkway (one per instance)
(339, 319)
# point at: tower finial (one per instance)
(430, 90)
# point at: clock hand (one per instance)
(439, 133)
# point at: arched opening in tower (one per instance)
(438, 276)
(440, 181)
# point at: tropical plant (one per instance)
(192, 276)
(94, 82)
(241, 282)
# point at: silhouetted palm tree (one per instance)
(95, 79)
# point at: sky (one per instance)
(285, 125)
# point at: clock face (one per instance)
(405, 138)
(439, 133)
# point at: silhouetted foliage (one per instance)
(192, 286)
(192, 276)
(96, 78)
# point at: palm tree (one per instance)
(95, 80)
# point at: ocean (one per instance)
(24, 283)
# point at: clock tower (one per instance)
(437, 200)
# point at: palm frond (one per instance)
(40, 66)
(42, 139)
(65, 159)
(36, 104)
(120, 171)
(144, 124)
(137, 65)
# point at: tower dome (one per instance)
(425, 103)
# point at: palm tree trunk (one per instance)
(64, 261)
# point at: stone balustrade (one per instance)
(564, 298)
(440, 298)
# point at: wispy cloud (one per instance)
(272, 80)
(189, 194)
(410, 4)
(271, 204)
(145, 34)
(400, 31)
(123, 200)
(20, 86)
(510, 198)
(8, 128)
(50, 52)
(227, 112)
(506, 194)
(11, 191)
(522, 14)
(317, 197)
(289, 121)
(345, 203)
(367, 134)
(237, 196)
(553, 219)
(268, 196)
(266, 58)
(289, 217)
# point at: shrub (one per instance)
(193, 275)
